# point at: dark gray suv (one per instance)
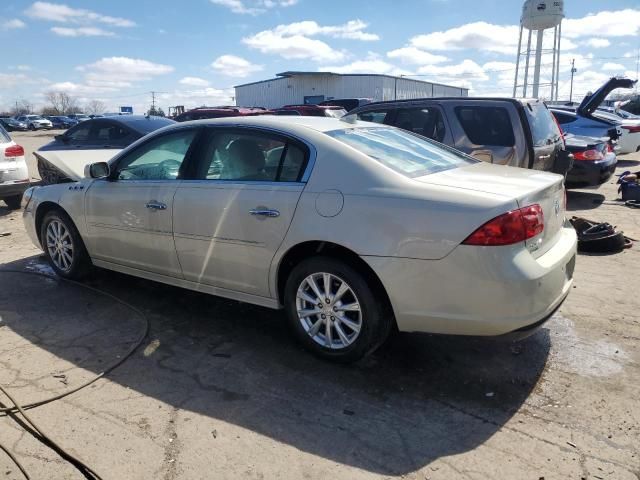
(519, 133)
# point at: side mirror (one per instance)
(97, 170)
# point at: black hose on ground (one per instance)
(29, 424)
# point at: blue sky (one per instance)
(196, 50)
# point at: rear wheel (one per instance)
(13, 202)
(63, 246)
(334, 311)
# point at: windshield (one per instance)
(34, 117)
(147, 125)
(404, 152)
(543, 127)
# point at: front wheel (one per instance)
(63, 246)
(334, 311)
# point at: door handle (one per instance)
(265, 212)
(153, 205)
(544, 157)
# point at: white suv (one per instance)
(14, 176)
(35, 122)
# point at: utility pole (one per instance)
(573, 71)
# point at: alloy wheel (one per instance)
(60, 245)
(329, 310)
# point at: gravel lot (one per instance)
(220, 390)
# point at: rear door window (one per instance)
(486, 125)
(427, 122)
(543, 128)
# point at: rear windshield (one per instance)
(404, 152)
(543, 127)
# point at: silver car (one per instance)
(352, 228)
(35, 122)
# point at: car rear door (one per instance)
(490, 131)
(233, 213)
(546, 138)
(129, 215)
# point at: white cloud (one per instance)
(12, 24)
(292, 41)
(467, 69)
(478, 35)
(415, 56)
(194, 82)
(618, 23)
(613, 67)
(233, 66)
(195, 98)
(9, 80)
(81, 32)
(253, 7)
(113, 73)
(57, 12)
(597, 43)
(372, 64)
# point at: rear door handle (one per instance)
(265, 212)
(544, 157)
(153, 205)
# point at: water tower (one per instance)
(539, 16)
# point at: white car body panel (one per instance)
(409, 230)
(72, 162)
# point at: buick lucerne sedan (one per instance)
(352, 228)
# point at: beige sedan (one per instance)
(352, 228)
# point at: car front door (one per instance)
(232, 215)
(129, 214)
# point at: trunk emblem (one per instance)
(556, 206)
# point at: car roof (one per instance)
(320, 124)
(412, 101)
(140, 123)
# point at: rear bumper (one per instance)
(484, 291)
(592, 173)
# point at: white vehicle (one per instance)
(35, 122)
(629, 141)
(14, 176)
(352, 228)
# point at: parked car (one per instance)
(586, 121)
(504, 131)
(79, 117)
(62, 122)
(594, 160)
(312, 110)
(35, 122)
(11, 124)
(14, 176)
(629, 142)
(202, 113)
(64, 159)
(352, 228)
(619, 112)
(347, 103)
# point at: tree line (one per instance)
(58, 103)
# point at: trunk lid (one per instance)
(527, 187)
(591, 102)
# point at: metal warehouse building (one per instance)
(314, 87)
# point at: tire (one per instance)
(76, 264)
(32, 127)
(13, 202)
(348, 344)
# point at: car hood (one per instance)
(591, 102)
(72, 162)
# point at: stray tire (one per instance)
(333, 310)
(13, 202)
(63, 246)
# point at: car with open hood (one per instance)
(354, 229)
(89, 141)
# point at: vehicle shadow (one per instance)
(581, 200)
(628, 162)
(419, 398)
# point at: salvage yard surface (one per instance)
(220, 389)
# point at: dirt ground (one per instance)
(219, 390)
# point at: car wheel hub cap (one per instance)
(329, 310)
(59, 245)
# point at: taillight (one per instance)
(632, 129)
(512, 227)
(588, 155)
(14, 151)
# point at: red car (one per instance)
(201, 113)
(311, 110)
